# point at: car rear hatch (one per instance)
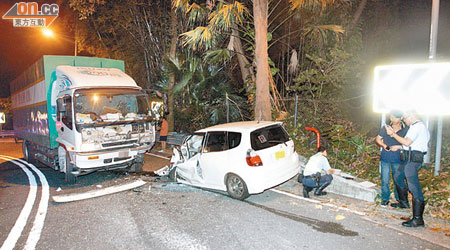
(273, 145)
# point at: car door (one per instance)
(214, 159)
(189, 170)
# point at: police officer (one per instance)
(312, 177)
(415, 145)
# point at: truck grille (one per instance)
(112, 144)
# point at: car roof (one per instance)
(239, 126)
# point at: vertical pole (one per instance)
(434, 29)
(432, 56)
(382, 123)
(437, 163)
(383, 119)
(75, 37)
(426, 158)
(296, 109)
(228, 107)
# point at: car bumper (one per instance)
(264, 178)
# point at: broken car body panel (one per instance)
(212, 154)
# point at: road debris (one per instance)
(163, 171)
(339, 217)
(97, 193)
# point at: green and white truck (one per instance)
(81, 114)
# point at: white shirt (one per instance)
(316, 163)
(419, 135)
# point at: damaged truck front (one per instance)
(80, 114)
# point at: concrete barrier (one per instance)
(355, 188)
(352, 189)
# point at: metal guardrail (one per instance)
(7, 133)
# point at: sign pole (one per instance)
(433, 44)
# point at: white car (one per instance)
(241, 158)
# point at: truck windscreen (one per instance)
(108, 105)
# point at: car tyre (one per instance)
(236, 187)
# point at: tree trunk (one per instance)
(244, 65)
(172, 53)
(358, 13)
(262, 99)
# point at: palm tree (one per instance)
(215, 20)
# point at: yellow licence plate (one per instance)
(280, 155)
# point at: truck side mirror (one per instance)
(60, 107)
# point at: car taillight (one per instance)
(253, 160)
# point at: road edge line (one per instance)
(21, 221)
(317, 202)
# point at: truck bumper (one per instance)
(107, 160)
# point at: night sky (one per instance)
(21, 47)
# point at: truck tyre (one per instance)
(27, 153)
(236, 187)
(70, 177)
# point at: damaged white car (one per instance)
(241, 158)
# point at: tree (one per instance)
(262, 101)
(172, 54)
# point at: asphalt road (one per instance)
(166, 215)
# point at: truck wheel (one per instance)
(70, 178)
(27, 153)
(236, 187)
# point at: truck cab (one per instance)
(103, 121)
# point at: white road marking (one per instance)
(97, 193)
(21, 221)
(38, 224)
(158, 156)
(316, 201)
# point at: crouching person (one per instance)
(312, 175)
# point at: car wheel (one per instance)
(69, 176)
(236, 187)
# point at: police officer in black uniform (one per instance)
(414, 148)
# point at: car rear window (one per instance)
(268, 137)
